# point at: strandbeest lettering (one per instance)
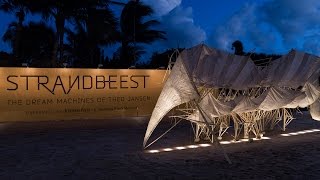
(83, 82)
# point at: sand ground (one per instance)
(108, 149)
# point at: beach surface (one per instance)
(112, 149)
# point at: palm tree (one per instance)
(121, 58)
(64, 10)
(60, 11)
(20, 9)
(134, 29)
(101, 26)
(99, 22)
(42, 38)
(76, 46)
(96, 27)
(80, 49)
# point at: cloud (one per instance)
(274, 26)
(178, 23)
(162, 7)
(312, 44)
(292, 18)
(181, 29)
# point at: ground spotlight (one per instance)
(180, 148)
(168, 149)
(65, 65)
(300, 132)
(25, 65)
(154, 151)
(132, 67)
(193, 146)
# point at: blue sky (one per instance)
(210, 13)
(272, 26)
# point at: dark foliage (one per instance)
(97, 28)
(161, 60)
(6, 59)
(261, 59)
(36, 44)
(134, 31)
(93, 28)
(237, 46)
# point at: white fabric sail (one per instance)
(224, 70)
(308, 96)
(247, 104)
(291, 70)
(299, 101)
(177, 90)
(315, 110)
(277, 98)
(312, 93)
(215, 108)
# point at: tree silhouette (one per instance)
(6, 59)
(262, 59)
(60, 11)
(101, 28)
(95, 29)
(135, 30)
(42, 37)
(20, 9)
(92, 26)
(162, 59)
(237, 47)
(125, 52)
(85, 10)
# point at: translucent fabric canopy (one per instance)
(288, 82)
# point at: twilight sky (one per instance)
(271, 26)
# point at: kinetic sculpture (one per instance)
(214, 90)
